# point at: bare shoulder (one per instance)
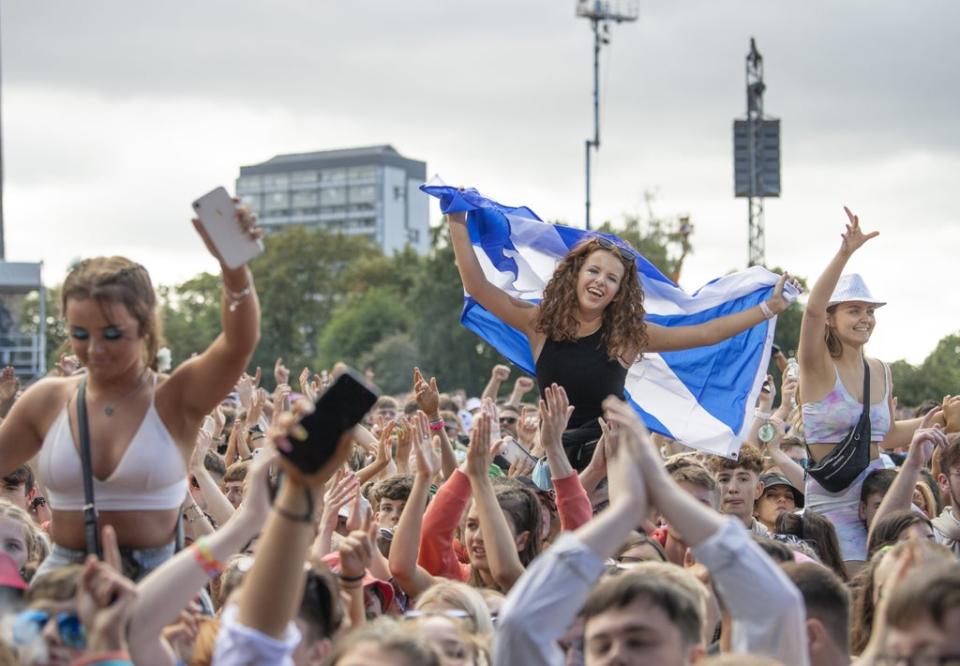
(49, 393)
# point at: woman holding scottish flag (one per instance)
(589, 327)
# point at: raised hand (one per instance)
(500, 372)
(356, 549)
(245, 390)
(854, 237)
(528, 426)
(489, 407)
(428, 395)
(245, 219)
(480, 454)
(105, 599)
(281, 374)
(281, 395)
(523, 385)
(9, 384)
(257, 499)
(926, 439)
(555, 411)
(951, 413)
(200, 448)
(404, 431)
(777, 301)
(68, 365)
(385, 444)
(428, 462)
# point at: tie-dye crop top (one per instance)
(828, 421)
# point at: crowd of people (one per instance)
(153, 518)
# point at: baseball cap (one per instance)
(384, 588)
(772, 480)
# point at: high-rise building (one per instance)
(369, 191)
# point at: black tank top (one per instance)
(584, 370)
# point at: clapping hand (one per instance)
(480, 452)
(9, 384)
(555, 411)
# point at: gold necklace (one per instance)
(109, 409)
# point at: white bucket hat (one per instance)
(851, 287)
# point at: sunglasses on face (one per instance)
(508, 420)
(29, 624)
(626, 253)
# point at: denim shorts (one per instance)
(137, 562)
(843, 510)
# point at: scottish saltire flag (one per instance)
(703, 397)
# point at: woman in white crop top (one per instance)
(142, 425)
(837, 323)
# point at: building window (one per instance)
(300, 177)
(249, 184)
(276, 201)
(333, 196)
(305, 198)
(363, 173)
(333, 175)
(276, 180)
(363, 194)
(253, 201)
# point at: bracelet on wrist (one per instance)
(235, 298)
(351, 579)
(205, 558)
(767, 312)
(437, 426)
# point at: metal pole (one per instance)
(595, 143)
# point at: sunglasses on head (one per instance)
(28, 625)
(454, 613)
(623, 252)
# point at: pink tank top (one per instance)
(829, 420)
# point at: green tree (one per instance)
(56, 333)
(937, 376)
(190, 313)
(393, 359)
(359, 322)
(300, 280)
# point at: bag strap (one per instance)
(866, 386)
(90, 529)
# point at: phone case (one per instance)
(217, 214)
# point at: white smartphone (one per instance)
(512, 451)
(218, 216)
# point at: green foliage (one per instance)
(359, 322)
(394, 358)
(190, 313)
(56, 334)
(937, 376)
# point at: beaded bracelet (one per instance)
(205, 558)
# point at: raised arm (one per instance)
(515, 312)
(20, 437)
(900, 496)
(199, 384)
(166, 591)
(505, 565)
(498, 375)
(428, 400)
(812, 353)
(770, 624)
(412, 578)
(673, 338)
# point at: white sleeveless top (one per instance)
(151, 475)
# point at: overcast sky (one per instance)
(117, 114)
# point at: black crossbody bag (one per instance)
(841, 467)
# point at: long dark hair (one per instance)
(819, 532)
(624, 329)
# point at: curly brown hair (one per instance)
(624, 328)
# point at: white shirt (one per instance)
(238, 645)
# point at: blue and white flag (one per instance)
(703, 397)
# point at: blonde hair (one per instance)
(38, 547)
(118, 280)
(463, 597)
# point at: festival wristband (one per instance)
(204, 556)
(765, 309)
(436, 426)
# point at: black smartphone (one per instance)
(339, 408)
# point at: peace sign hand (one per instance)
(854, 237)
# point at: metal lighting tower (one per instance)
(601, 13)
(756, 156)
